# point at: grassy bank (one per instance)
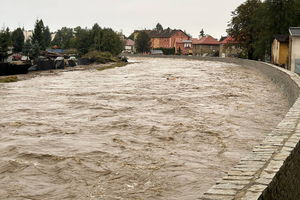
(9, 79)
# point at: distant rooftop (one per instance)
(294, 31)
(167, 33)
(228, 40)
(206, 40)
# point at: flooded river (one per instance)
(158, 129)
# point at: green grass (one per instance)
(114, 65)
(9, 79)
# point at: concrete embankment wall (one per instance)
(272, 170)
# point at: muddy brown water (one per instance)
(158, 129)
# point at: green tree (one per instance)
(38, 34)
(143, 42)
(64, 38)
(242, 26)
(47, 36)
(27, 48)
(41, 35)
(202, 33)
(17, 38)
(5, 42)
(111, 42)
(35, 50)
(83, 40)
(159, 27)
(97, 36)
(254, 24)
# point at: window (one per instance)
(187, 45)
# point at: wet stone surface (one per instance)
(156, 129)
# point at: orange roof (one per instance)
(206, 40)
(229, 40)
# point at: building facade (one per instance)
(294, 49)
(229, 47)
(129, 46)
(280, 50)
(206, 46)
(169, 38)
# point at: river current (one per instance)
(156, 129)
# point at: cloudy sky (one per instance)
(125, 15)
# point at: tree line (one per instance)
(85, 40)
(81, 40)
(255, 23)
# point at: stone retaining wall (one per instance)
(272, 170)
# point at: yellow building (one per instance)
(280, 50)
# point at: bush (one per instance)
(167, 51)
(72, 51)
(100, 57)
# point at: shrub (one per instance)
(167, 51)
(100, 57)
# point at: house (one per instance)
(129, 46)
(206, 45)
(170, 38)
(294, 49)
(280, 50)
(229, 47)
(184, 47)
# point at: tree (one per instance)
(202, 33)
(111, 42)
(64, 38)
(35, 50)
(47, 36)
(254, 24)
(159, 27)
(27, 48)
(83, 40)
(242, 26)
(41, 35)
(38, 34)
(17, 38)
(143, 43)
(97, 35)
(5, 41)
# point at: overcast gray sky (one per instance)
(125, 15)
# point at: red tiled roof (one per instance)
(206, 40)
(228, 40)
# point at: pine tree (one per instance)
(159, 27)
(47, 36)
(5, 42)
(17, 40)
(202, 33)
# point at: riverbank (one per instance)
(33, 74)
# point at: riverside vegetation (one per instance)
(78, 41)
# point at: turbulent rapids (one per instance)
(157, 129)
